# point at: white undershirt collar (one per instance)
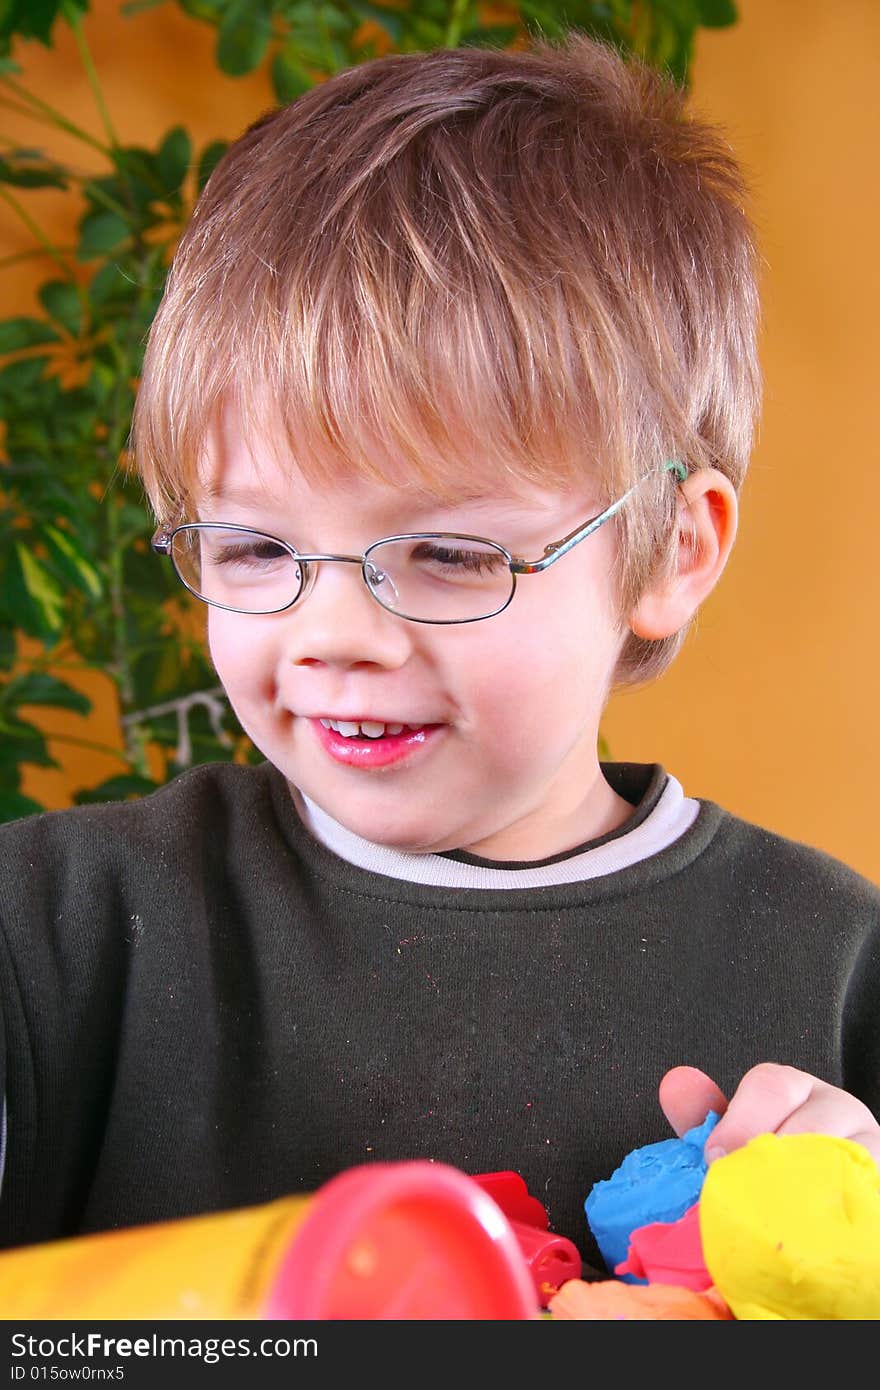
(673, 814)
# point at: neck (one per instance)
(543, 833)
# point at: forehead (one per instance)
(265, 473)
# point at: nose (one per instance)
(336, 622)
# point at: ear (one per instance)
(707, 521)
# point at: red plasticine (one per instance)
(668, 1252)
(509, 1190)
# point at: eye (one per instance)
(253, 551)
(462, 557)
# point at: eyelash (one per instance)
(474, 561)
(232, 554)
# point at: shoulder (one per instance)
(198, 804)
(78, 884)
(776, 865)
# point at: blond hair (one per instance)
(482, 265)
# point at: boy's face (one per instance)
(506, 765)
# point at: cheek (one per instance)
(527, 671)
(220, 644)
(236, 651)
(550, 656)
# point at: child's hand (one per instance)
(770, 1099)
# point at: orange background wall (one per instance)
(771, 707)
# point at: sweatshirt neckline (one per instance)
(370, 883)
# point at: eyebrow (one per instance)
(416, 503)
(512, 512)
(239, 496)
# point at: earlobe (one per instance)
(708, 513)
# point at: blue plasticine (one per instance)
(657, 1182)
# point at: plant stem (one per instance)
(73, 19)
(37, 232)
(456, 20)
(23, 256)
(18, 110)
(321, 21)
(53, 117)
(118, 424)
(88, 743)
(196, 697)
(121, 668)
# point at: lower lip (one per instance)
(374, 752)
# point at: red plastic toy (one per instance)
(551, 1259)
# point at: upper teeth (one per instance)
(369, 727)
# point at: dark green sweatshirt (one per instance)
(203, 1007)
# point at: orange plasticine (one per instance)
(611, 1300)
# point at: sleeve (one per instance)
(861, 1032)
(2, 1135)
(62, 994)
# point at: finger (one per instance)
(768, 1096)
(687, 1095)
(829, 1110)
(869, 1139)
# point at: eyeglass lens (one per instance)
(439, 578)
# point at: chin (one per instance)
(404, 836)
(402, 831)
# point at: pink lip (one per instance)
(373, 752)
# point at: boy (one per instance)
(444, 416)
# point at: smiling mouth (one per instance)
(373, 744)
(368, 728)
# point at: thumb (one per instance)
(686, 1097)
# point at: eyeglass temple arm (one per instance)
(556, 549)
(161, 539)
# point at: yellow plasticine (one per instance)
(790, 1227)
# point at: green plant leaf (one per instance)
(392, 21)
(173, 159)
(25, 333)
(541, 17)
(133, 7)
(7, 645)
(14, 805)
(717, 14)
(108, 284)
(29, 169)
(125, 785)
(62, 302)
(244, 35)
(100, 232)
(21, 742)
(497, 36)
(315, 47)
(211, 10)
(41, 602)
(39, 688)
(209, 158)
(18, 378)
(33, 19)
(289, 77)
(69, 560)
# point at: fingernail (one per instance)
(715, 1151)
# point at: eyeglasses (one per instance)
(423, 576)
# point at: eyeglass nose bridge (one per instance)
(309, 570)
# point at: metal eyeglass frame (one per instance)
(163, 539)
